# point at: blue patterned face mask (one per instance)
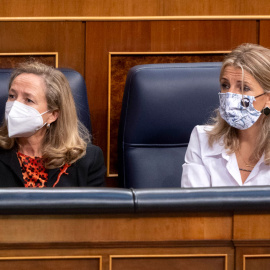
(237, 110)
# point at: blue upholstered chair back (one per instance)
(162, 103)
(77, 85)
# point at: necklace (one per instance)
(240, 169)
(247, 165)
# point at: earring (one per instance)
(48, 126)
(266, 110)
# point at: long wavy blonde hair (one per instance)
(254, 59)
(66, 139)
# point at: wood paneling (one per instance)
(252, 226)
(251, 235)
(115, 228)
(101, 38)
(202, 262)
(12, 60)
(265, 33)
(133, 241)
(136, 240)
(29, 8)
(66, 38)
(147, 36)
(255, 255)
(212, 7)
(261, 262)
(201, 35)
(50, 262)
(201, 236)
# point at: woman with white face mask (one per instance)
(235, 149)
(42, 142)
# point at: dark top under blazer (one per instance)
(87, 171)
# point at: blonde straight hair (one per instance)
(66, 140)
(254, 59)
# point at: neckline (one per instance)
(27, 156)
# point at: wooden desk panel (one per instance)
(219, 240)
(117, 228)
(51, 262)
(252, 226)
(187, 262)
(171, 239)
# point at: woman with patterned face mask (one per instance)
(235, 149)
(42, 142)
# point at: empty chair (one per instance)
(162, 103)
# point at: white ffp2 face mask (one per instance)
(22, 120)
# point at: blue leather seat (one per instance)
(77, 85)
(162, 103)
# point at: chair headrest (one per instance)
(163, 102)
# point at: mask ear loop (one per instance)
(245, 101)
(44, 123)
(242, 87)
